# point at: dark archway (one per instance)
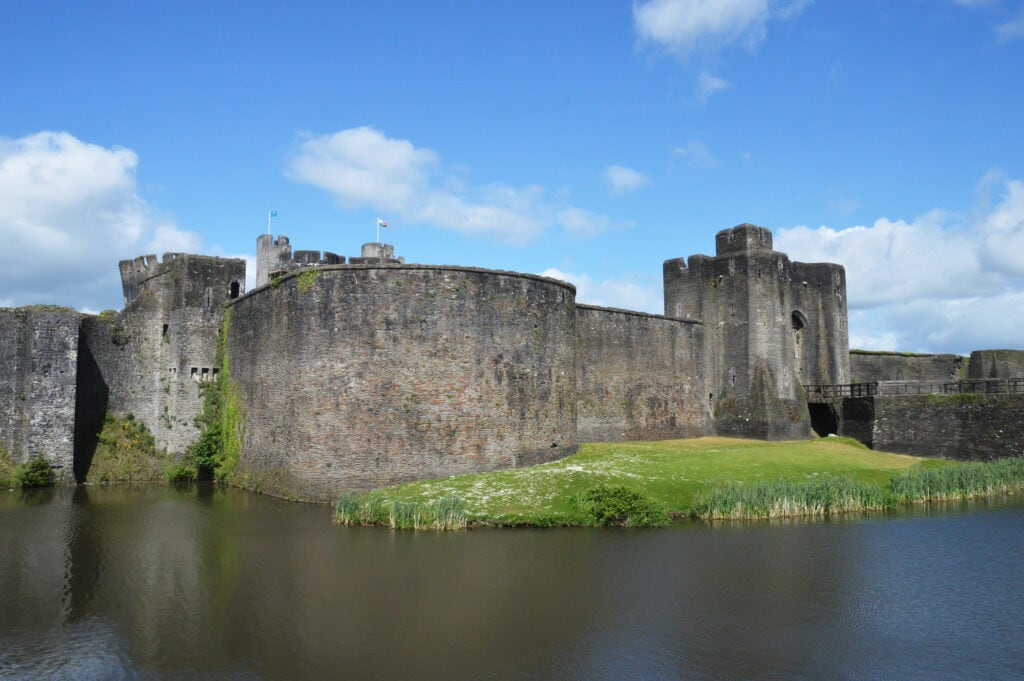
(824, 420)
(234, 289)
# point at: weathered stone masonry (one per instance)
(362, 376)
(640, 377)
(770, 326)
(358, 375)
(150, 359)
(39, 358)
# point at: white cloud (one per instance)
(622, 180)
(362, 167)
(708, 85)
(935, 284)
(696, 154)
(70, 210)
(685, 27)
(628, 293)
(1012, 29)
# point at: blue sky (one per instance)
(585, 140)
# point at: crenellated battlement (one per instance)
(274, 257)
(213, 277)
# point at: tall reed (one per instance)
(829, 494)
(353, 508)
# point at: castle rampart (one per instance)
(359, 375)
(871, 367)
(996, 364)
(354, 377)
(39, 357)
(640, 376)
(274, 258)
(955, 426)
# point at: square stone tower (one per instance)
(771, 326)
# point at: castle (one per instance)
(367, 371)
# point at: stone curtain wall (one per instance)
(356, 377)
(965, 426)
(996, 364)
(871, 367)
(639, 377)
(38, 365)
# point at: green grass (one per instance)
(670, 473)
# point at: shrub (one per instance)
(36, 472)
(6, 469)
(620, 505)
(126, 452)
(181, 472)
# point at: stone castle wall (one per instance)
(996, 364)
(871, 367)
(959, 426)
(771, 325)
(640, 377)
(152, 358)
(355, 377)
(39, 358)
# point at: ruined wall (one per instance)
(151, 359)
(639, 377)
(871, 367)
(355, 377)
(996, 364)
(963, 426)
(38, 365)
(770, 326)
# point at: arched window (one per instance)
(799, 320)
(234, 289)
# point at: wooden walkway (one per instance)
(987, 386)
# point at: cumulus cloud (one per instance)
(363, 167)
(938, 283)
(70, 209)
(685, 27)
(629, 293)
(622, 180)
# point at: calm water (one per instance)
(154, 583)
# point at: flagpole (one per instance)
(268, 221)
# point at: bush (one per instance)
(126, 452)
(181, 472)
(6, 469)
(619, 505)
(36, 472)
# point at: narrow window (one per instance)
(165, 330)
(234, 289)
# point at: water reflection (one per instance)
(156, 582)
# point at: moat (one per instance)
(158, 583)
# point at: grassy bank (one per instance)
(707, 477)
